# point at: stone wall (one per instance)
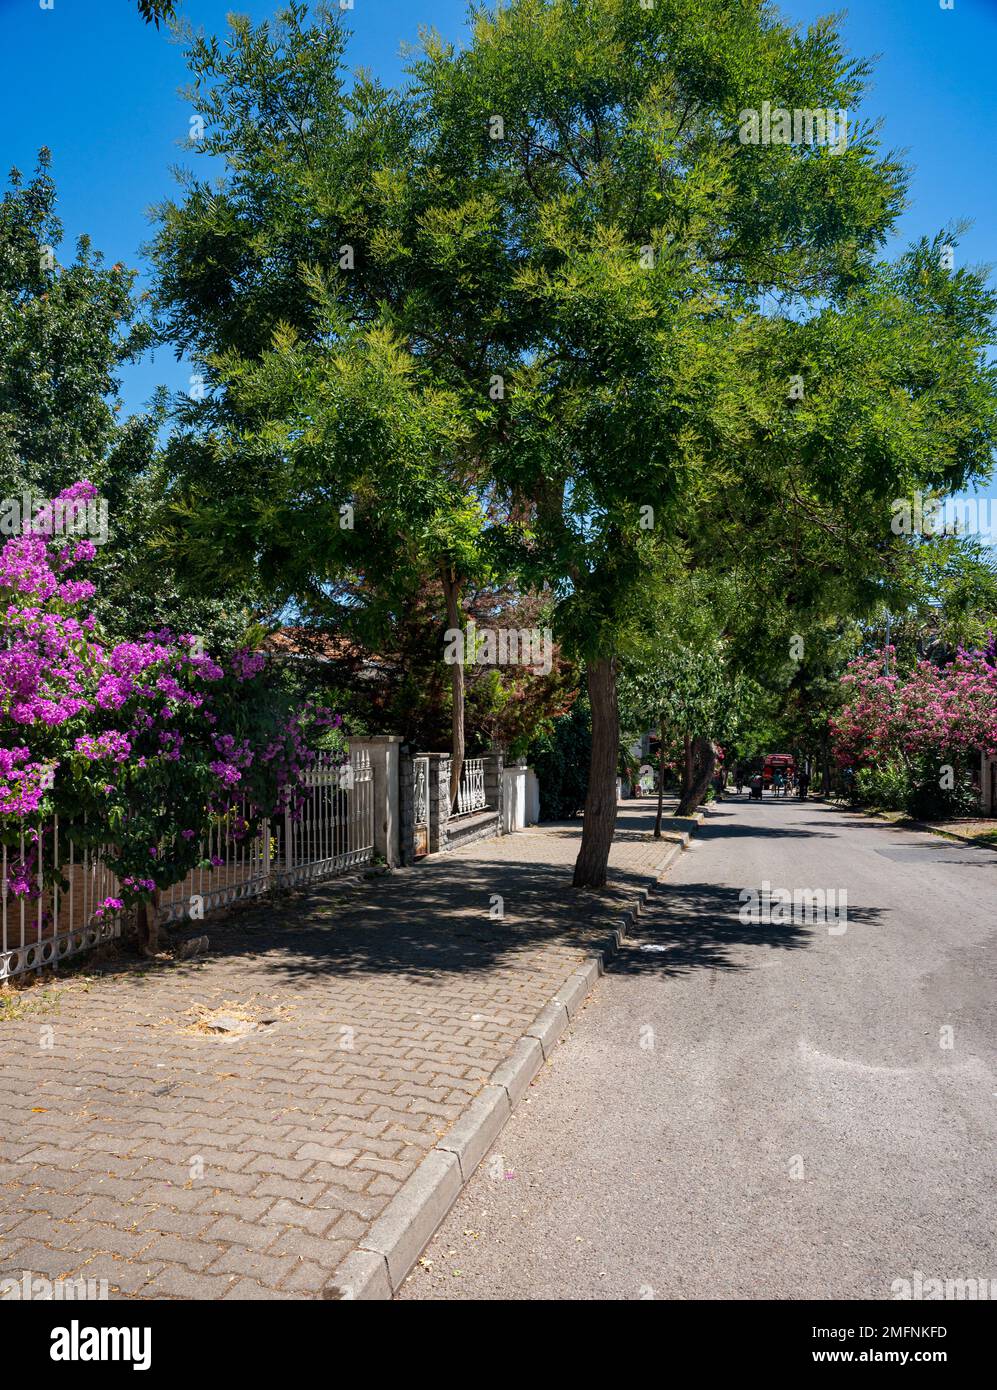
(444, 830)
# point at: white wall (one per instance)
(513, 799)
(532, 797)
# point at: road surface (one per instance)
(756, 1110)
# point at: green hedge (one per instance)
(561, 762)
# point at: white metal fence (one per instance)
(239, 868)
(471, 789)
(333, 833)
(37, 932)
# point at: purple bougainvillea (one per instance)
(152, 742)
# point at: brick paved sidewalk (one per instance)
(178, 1163)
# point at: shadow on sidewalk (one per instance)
(441, 919)
(433, 921)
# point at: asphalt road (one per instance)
(760, 1110)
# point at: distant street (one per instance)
(760, 1110)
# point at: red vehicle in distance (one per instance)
(778, 770)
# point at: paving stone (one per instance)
(307, 1279)
(310, 1219)
(109, 1240)
(249, 1289)
(305, 1142)
(167, 1194)
(177, 1223)
(340, 1158)
(232, 1204)
(177, 1282)
(270, 1269)
(58, 1233)
(320, 1249)
(229, 1229)
(42, 1259)
(171, 1249)
(127, 1275)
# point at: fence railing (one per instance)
(333, 833)
(37, 932)
(240, 868)
(471, 789)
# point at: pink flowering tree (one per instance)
(910, 737)
(139, 747)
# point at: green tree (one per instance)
(574, 304)
(152, 11)
(65, 330)
(337, 440)
(679, 282)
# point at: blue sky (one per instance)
(88, 79)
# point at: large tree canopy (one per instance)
(547, 289)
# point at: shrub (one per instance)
(918, 788)
(151, 741)
(561, 761)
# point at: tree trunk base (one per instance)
(147, 927)
(706, 760)
(600, 799)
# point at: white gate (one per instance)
(420, 805)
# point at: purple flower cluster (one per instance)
(23, 783)
(74, 706)
(111, 744)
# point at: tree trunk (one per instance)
(600, 799)
(687, 769)
(147, 925)
(661, 781)
(706, 759)
(451, 592)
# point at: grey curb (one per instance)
(578, 986)
(572, 994)
(362, 1275)
(477, 1129)
(402, 1231)
(548, 1026)
(405, 1227)
(519, 1069)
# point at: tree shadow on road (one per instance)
(696, 926)
(759, 830)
